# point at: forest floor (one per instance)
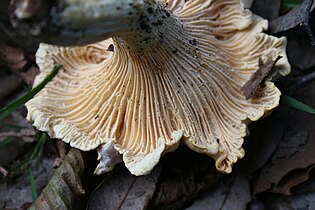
(276, 173)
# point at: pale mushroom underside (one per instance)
(186, 87)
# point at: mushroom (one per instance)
(175, 75)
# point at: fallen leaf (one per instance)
(63, 149)
(295, 202)
(247, 3)
(296, 149)
(251, 86)
(16, 192)
(10, 35)
(64, 190)
(268, 9)
(15, 149)
(261, 144)
(301, 81)
(12, 57)
(307, 186)
(9, 84)
(283, 161)
(185, 174)
(4, 6)
(299, 16)
(300, 52)
(121, 190)
(292, 179)
(15, 59)
(29, 75)
(230, 194)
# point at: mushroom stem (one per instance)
(109, 158)
(155, 26)
(137, 22)
(75, 22)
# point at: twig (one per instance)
(25, 132)
(251, 86)
(304, 80)
(63, 149)
(4, 171)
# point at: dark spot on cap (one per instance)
(110, 48)
(193, 42)
(150, 10)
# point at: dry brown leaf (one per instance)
(15, 59)
(121, 190)
(296, 149)
(63, 149)
(299, 16)
(12, 58)
(257, 78)
(301, 54)
(30, 74)
(262, 143)
(64, 190)
(233, 193)
(247, 3)
(293, 202)
(16, 191)
(9, 83)
(185, 175)
(268, 9)
(292, 179)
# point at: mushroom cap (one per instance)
(186, 87)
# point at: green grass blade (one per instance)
(290, 5)
(35, 154)
(33, 183)
(20, 166)
(6, 141)
(291, 102)
(21, 101)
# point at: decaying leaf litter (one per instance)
(287, 144)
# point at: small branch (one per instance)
(4, 171)
(250, 87)
(25, 132)
(304, 80)
(63, 149)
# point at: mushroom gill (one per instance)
(174, 76)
